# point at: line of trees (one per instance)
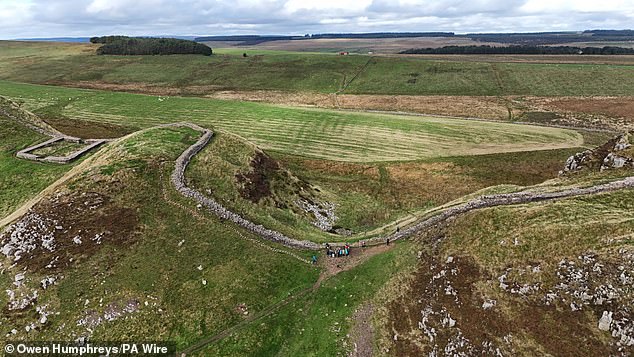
(248, 40)
(548, 38)
(521, 50)
(123, 45)
(383, 35)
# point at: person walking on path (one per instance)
(314, 259)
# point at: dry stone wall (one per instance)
(508, 199)
(179, 182)
(90, 144)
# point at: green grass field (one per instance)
(72, 64)
(152, 265)
(317, 324)
(425, 77)
(317, 133)
(21, 179)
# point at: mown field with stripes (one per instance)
(316, 133)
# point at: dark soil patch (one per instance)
(256, 183)
(88, 130)
(83, 223)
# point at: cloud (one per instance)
(50, 18)
(14, 13)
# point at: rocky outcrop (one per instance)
(323, 212)
(612, 155)
(615, 161)
(605, 321)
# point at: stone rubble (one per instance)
(588, 282)
(30, 232)
(324, 213)
(112, 312)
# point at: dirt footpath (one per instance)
(334, 266)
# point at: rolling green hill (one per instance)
(77, 64)
(522, 280)
(124, 253)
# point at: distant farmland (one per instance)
(77, 65)
(313, 133)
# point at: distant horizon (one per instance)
(87, 37)
(22, 19)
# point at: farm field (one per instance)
(353, 45)
(77, 65)
(21, 179)
(314, 133)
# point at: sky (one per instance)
(84, 18)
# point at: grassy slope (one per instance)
(72, 63)
(151, 265)
(214, 171)
(394, 76)
(488, 242)
(317, 324)
(367, 195)
(314, 133)
(547, 232)
(21, 179)
(371, 195)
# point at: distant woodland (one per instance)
(521, 50)
(527, 39)
(122, 45)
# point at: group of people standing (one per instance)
(344, 251)
(338, 251)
